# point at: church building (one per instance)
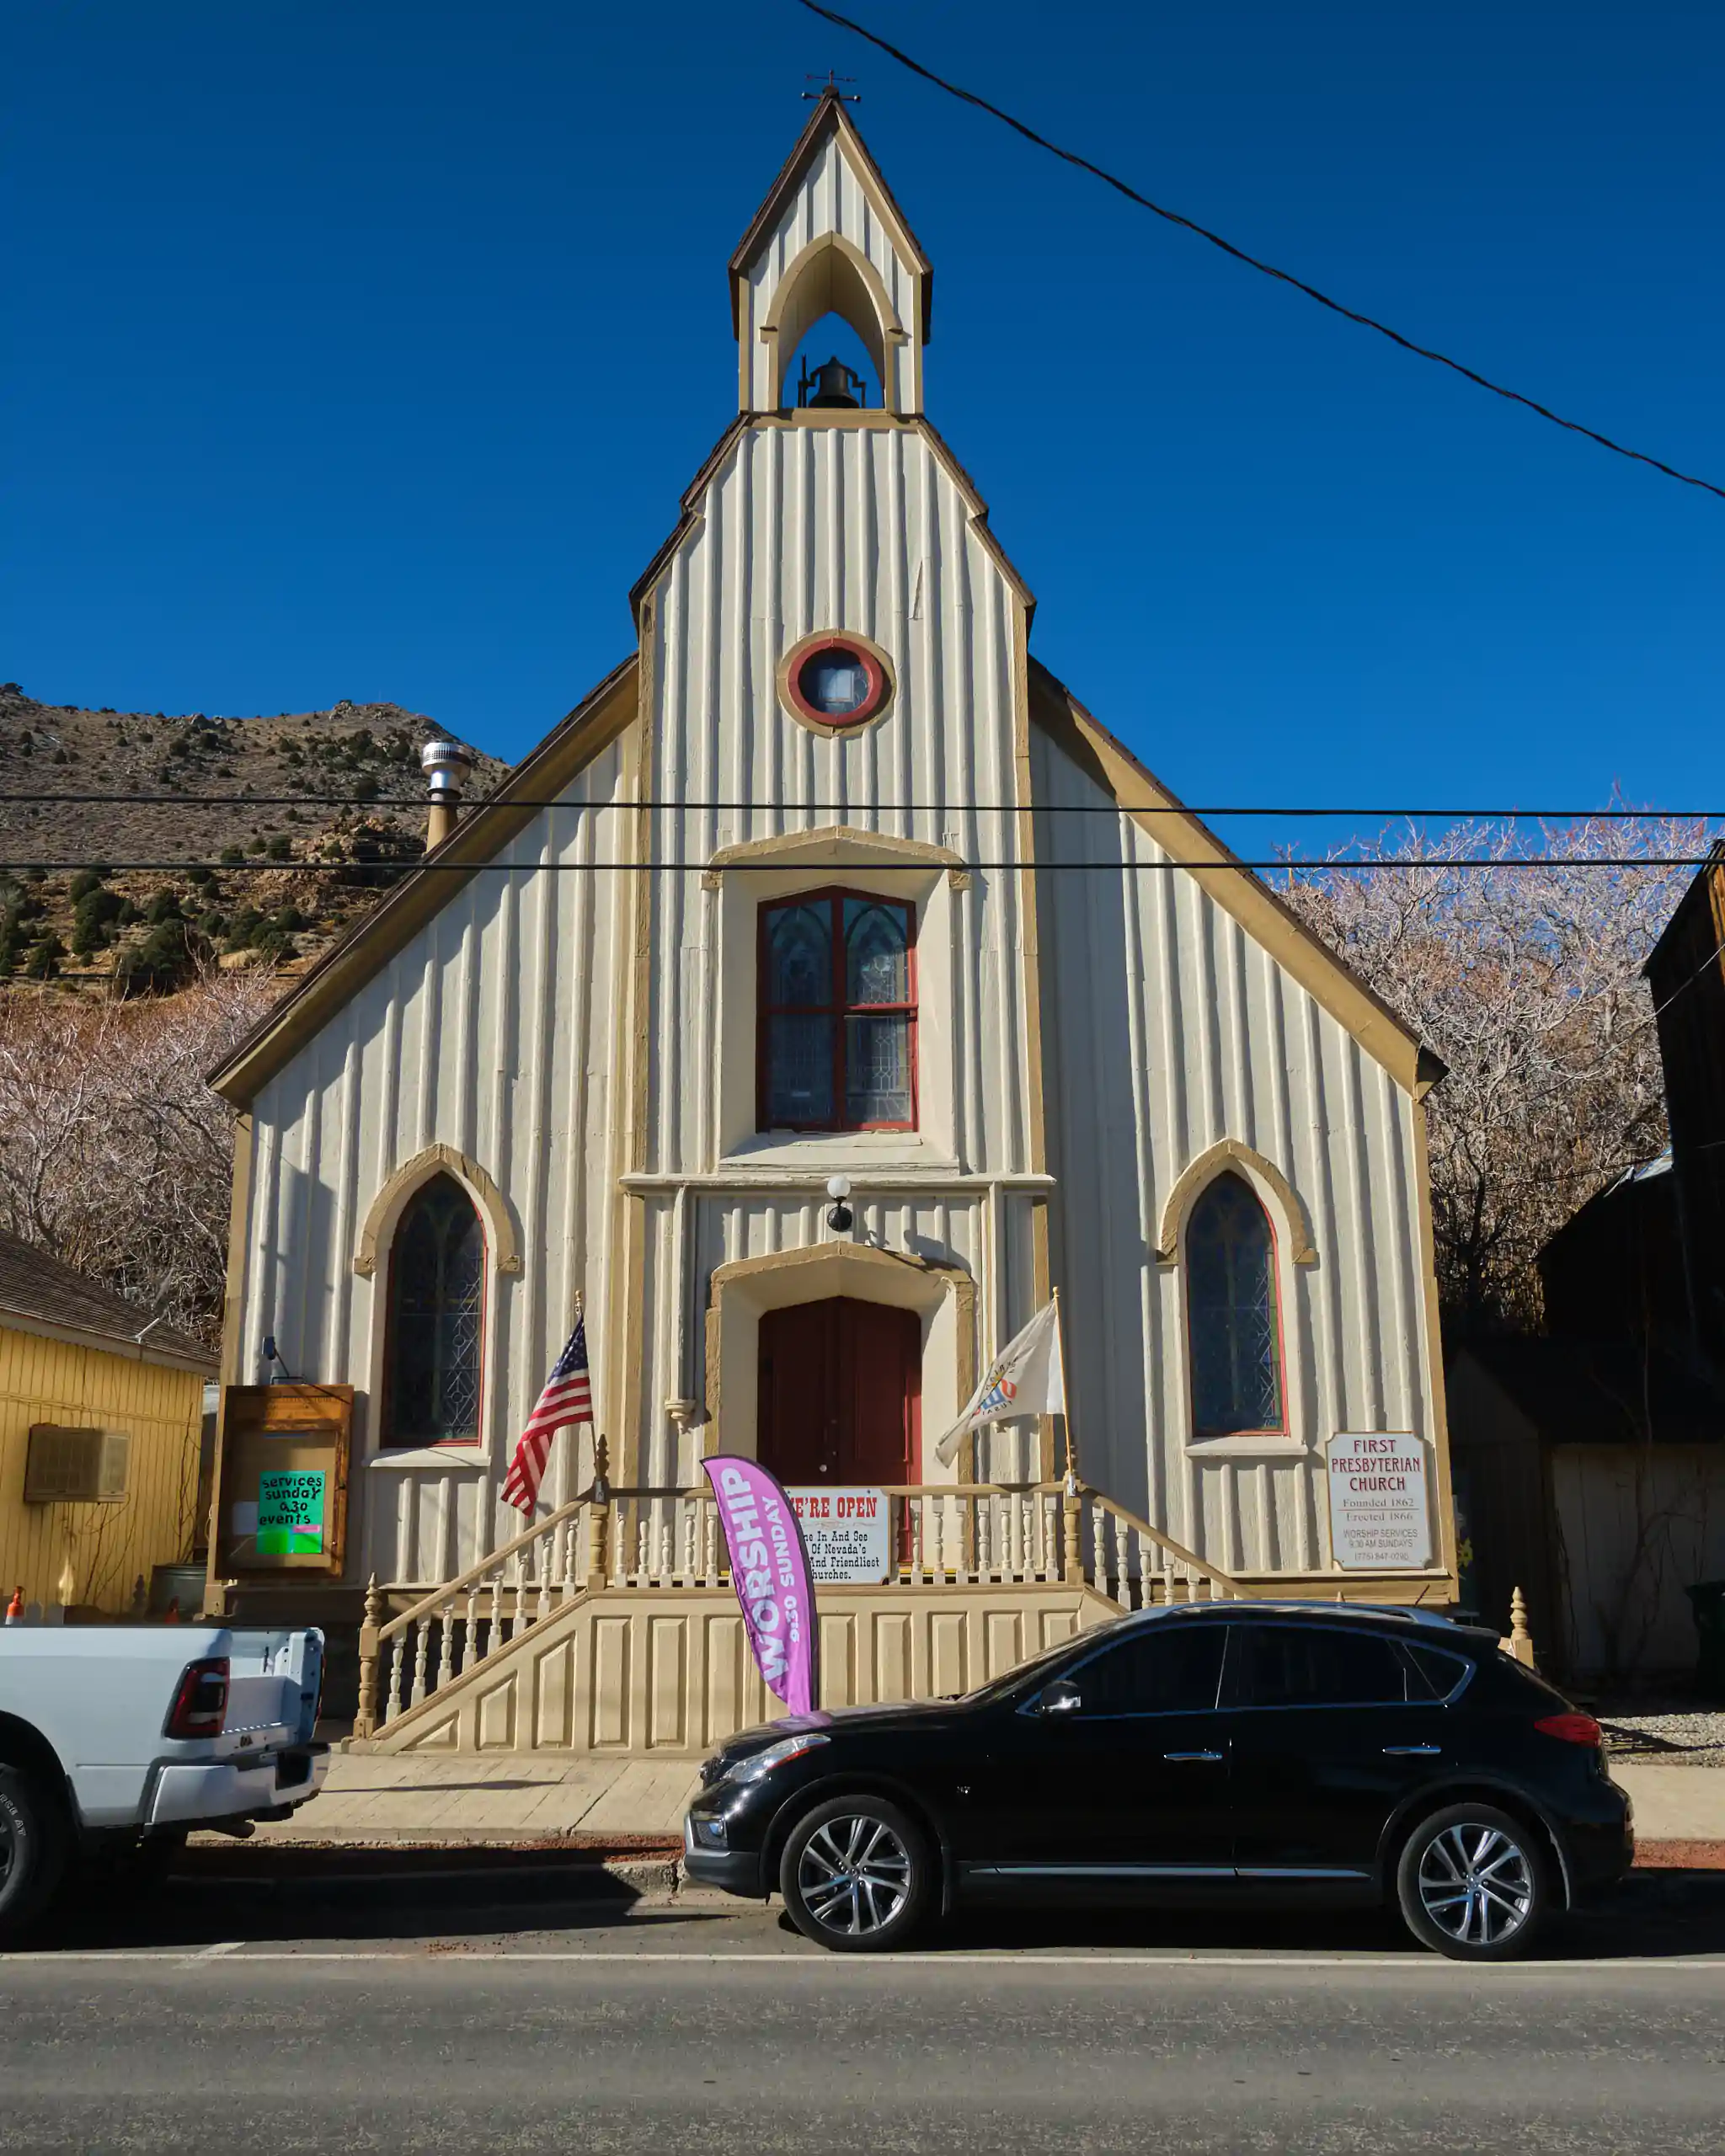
(827, 990)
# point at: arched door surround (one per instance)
(943, 1297)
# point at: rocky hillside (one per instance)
(272, 872)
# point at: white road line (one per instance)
(456, 1955)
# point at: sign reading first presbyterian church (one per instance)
(1380, 1512)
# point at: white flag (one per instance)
(1027, 1377)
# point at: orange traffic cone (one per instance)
(14, 1609)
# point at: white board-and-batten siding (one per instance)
(1168, 1030)
(500, 1030)
(805, 529)
(492, 1033)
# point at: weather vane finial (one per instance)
(830, 88)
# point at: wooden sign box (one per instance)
(281, 1500)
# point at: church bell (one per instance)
(832, 387)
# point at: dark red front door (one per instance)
(842, 1393)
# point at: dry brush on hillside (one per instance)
(114, 1154)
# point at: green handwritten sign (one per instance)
(291, 1514)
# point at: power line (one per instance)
(1252, 261)
(872, 809)
(258, 864)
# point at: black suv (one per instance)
(1221, 1752)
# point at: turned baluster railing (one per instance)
(513, 1587)
(940, 1534)
(1136, 1565)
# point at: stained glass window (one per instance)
(437, 1287)
(1231, 1312)
(838, 1015)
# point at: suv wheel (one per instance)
(30, 1851)
(1473, 1884)
(856, 1875)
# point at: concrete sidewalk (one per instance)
(1675, 1804)
(514, 1797)
(540, 1796)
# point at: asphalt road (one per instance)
(435, 2006)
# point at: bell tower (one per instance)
(830, 239)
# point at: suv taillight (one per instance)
(1572, 1729)
(200, 1704)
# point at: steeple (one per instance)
(830, 239)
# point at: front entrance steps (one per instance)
(640, 1671)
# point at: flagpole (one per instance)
(1067, 1408)
(1070, 1510)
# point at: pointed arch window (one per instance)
(1233, 1321)
(434, 1349)
(837, 1039)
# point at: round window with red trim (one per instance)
(834, 681)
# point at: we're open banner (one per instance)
(770, 1571)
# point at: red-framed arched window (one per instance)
(1233, 1314)
(435, 1343)
(837, 1032)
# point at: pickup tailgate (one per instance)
(274, 1682)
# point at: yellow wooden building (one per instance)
(101, 1414)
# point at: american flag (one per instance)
(568, 1397)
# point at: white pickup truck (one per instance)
(118, 1739)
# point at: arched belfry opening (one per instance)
(830, 247)
(830, 369)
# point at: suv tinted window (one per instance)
(1166, 1669)
(1310, 1665)
(1437, 1674)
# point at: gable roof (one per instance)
(830, 118)
(41, 1292)
(1328, 979)
(604, 713)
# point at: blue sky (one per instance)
(314, 388)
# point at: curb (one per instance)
(1669, 1855)
(609, 1876)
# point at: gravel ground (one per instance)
(1681, 1736)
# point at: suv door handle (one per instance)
(1192, 1755)
(1412, 1750)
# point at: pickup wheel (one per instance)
(32, 1849)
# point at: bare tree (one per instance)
(1527, 981)
(114, 1154)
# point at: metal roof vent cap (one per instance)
(447, 766)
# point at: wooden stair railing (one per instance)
(1137, 1566)
(966, 1533)
(945, 1533)
(543, 1568)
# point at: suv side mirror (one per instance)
(1059, 1698)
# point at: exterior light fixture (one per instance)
(839, 1215)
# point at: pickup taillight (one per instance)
(200, 1703)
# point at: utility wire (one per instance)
(257, 863)
(377, 802)
(1252, 261)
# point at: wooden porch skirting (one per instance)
(667, 1670)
